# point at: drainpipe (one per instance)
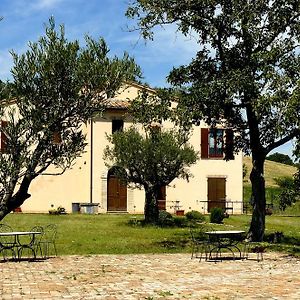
(91, 165)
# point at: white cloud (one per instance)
(42, 4)
(168, 46)
(26, 8)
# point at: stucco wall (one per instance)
(75, 184)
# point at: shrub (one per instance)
(165, 219)
(195, 215)
(216, 215)
(285, 182)
(180, 221)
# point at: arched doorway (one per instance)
(116, 192)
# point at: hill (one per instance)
(272, 170)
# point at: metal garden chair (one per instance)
(200, 242)
(48, 240)
(7, 243)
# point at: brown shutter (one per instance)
(229, 149)
(3, 137)
(204, 142)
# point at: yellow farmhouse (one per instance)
(90, 187)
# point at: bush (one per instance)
(216, 215)
(195, 215)
(180, 221)
(285, 182)
(165, 219)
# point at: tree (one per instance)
(57, 86)
(152, 159)
(151, 162)
(281, 158)
(246, 71)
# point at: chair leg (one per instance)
(55, 250)
(260, 256)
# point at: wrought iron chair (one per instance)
(253, 247)
(48, 240)
(7, 243)
(200, 242)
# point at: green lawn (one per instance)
(111, 234)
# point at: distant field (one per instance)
(272, 170)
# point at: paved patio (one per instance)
(163, 276)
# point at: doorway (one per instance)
(216, 193)
(162, 198)
(116, 192)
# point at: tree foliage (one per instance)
(246, 72)
(151, 161)
(289, 192)
(57, 85)
(281, 158)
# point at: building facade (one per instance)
(89, 184)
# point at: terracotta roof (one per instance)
(117, 104)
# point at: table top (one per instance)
(225, 232)
(19, 233)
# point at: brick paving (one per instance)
(151, 277)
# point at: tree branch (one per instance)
(282, 141)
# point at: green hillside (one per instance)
(272, 170)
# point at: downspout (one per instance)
(91, 165)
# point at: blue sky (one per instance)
(24, 21)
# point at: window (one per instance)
(217, 143)
(117, 125)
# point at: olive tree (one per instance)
(56, 87)
(246, 71)
(151, 161)
(153, 155)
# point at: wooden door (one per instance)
(162, 198)
(216, 193)
(116, 194)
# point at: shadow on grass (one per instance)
(288, 244)
(174, 244)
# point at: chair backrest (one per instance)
(198, 233)
(6, 239)
(38, 237)
(50, 232)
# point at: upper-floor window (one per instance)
(117, 125)
(217, 143)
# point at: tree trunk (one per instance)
(258, 198)
(9, 203)
(151, 205)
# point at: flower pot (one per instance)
(179, 212)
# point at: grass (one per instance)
(111, 234)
